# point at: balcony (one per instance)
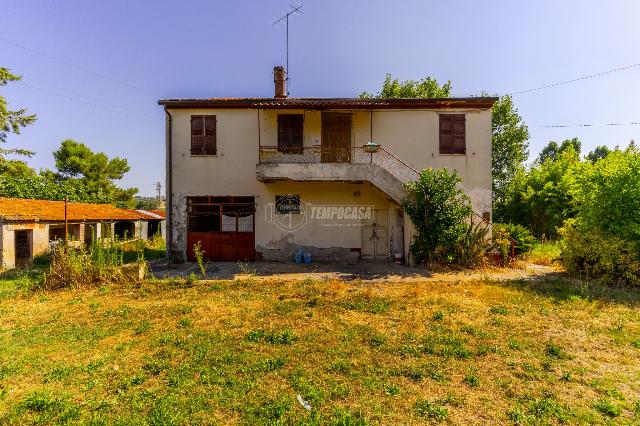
(319, 164)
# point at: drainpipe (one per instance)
(169, 186)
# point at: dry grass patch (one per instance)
(468, 352)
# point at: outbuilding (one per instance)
(28, 227)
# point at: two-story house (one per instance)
(265, 178)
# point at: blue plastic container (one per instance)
(299, 256)
(307, 258)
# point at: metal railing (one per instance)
(401, 170)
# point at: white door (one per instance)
(375, 240)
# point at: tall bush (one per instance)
(438, 208)
(593, 254)
(607, 194)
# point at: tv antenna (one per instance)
(293, 10)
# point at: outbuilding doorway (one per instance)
(23, 250)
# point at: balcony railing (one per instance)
(401, 170)
(353, 155)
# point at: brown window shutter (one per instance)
(295, 142)
(459, 134)
(452, 134)
(210, 135)
(283, 132)
(446, 134)
(290, 133)
(197, 135)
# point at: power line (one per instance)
(632, 123)
(548, 86)
(78, 67)
(72, 92)
(92, 104)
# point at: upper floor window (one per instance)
(203, 135)
(290, 133)
(452, 134)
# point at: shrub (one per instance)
(473, 245)
(438, 208)
(522, 236)
(74, 268)
(607, 194)
(596, 255)
(544, 253)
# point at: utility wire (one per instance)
(548, 86)
(92, 104)
(71, 93)
(78, 67)
(632, 123)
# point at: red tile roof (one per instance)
(14, 209)
(151, 214)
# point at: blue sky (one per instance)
(114, 59)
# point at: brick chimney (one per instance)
(280, 81)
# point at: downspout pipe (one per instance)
(169, 183)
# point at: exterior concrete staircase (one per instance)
(370, 172)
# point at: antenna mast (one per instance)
(293, 10)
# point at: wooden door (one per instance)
(336, 137)
(224, 227)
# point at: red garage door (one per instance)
(224, 227)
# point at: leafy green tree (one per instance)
(15, 168)
(598, 153)
(438, 208)
(607, 194)
(509, 148)
(540, 198)
(11, 122)
(94, 171)
(82, 175)
(603, 241)
(75, 159)
(147, 203)
(424, 88)
(553, 150)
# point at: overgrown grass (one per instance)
(168, 352)
(544, 253)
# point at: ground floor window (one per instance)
(105, 230)
(153, 228)
(56, 232)
(125, 229)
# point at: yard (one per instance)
(464, 351)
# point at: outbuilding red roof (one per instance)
(22, 209)
(152, 214)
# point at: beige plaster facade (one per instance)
(410, 139)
